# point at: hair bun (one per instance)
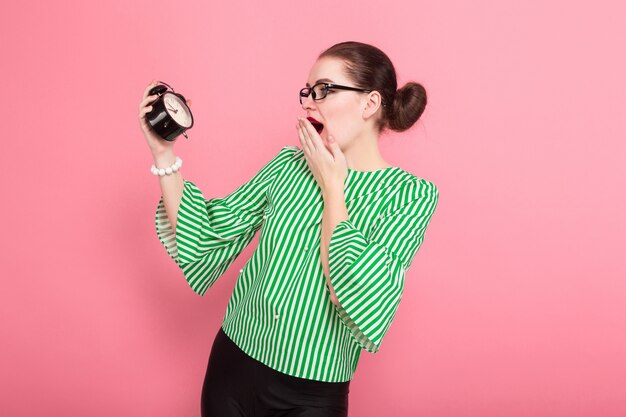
(408, 105)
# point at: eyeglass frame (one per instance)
(328, 87)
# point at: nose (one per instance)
(308, 102)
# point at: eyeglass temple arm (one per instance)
(343, 87)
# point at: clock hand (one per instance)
(174, 110)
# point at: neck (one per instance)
(363, 154)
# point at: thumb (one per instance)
(334, 147)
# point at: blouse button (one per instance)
(388, 261)
(241, 270)
(306, 247)
(276, 316)
(265, 216)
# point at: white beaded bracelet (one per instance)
(168, 170)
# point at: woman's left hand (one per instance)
(325, 160)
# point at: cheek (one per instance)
(342, 130)
(340, 120)
(337, 125)
(341, 134)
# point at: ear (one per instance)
(372, 103)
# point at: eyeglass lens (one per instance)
(318, 91)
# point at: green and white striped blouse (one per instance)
(280, 311)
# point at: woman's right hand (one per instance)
(157, 144)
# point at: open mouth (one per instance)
(317, 125)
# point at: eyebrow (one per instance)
(321, 79)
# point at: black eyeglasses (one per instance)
(319, 90)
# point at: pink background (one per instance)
(516, 302)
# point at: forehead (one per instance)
(327, 69)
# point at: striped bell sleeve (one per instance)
(211, 233)
(367, 272)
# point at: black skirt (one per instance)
(236, 384)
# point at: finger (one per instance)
(333, 147)
(308, 147)
(307, 136)
(145, 110)
(316, 140)
(303, 141)
(149, 99)
(146, 92)
(315, 137)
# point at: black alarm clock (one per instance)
(170, 115)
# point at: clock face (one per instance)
(176, 108)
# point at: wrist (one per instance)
(164, 159)
(163, 165)
(333, 191)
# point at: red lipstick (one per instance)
(316, 124)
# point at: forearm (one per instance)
(171, 186)
(335, 211)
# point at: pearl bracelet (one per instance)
(168, 170)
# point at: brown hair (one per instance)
(370, 68)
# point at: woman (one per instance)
(339, 225)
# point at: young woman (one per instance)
(339, 225)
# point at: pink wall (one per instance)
(516, 302)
